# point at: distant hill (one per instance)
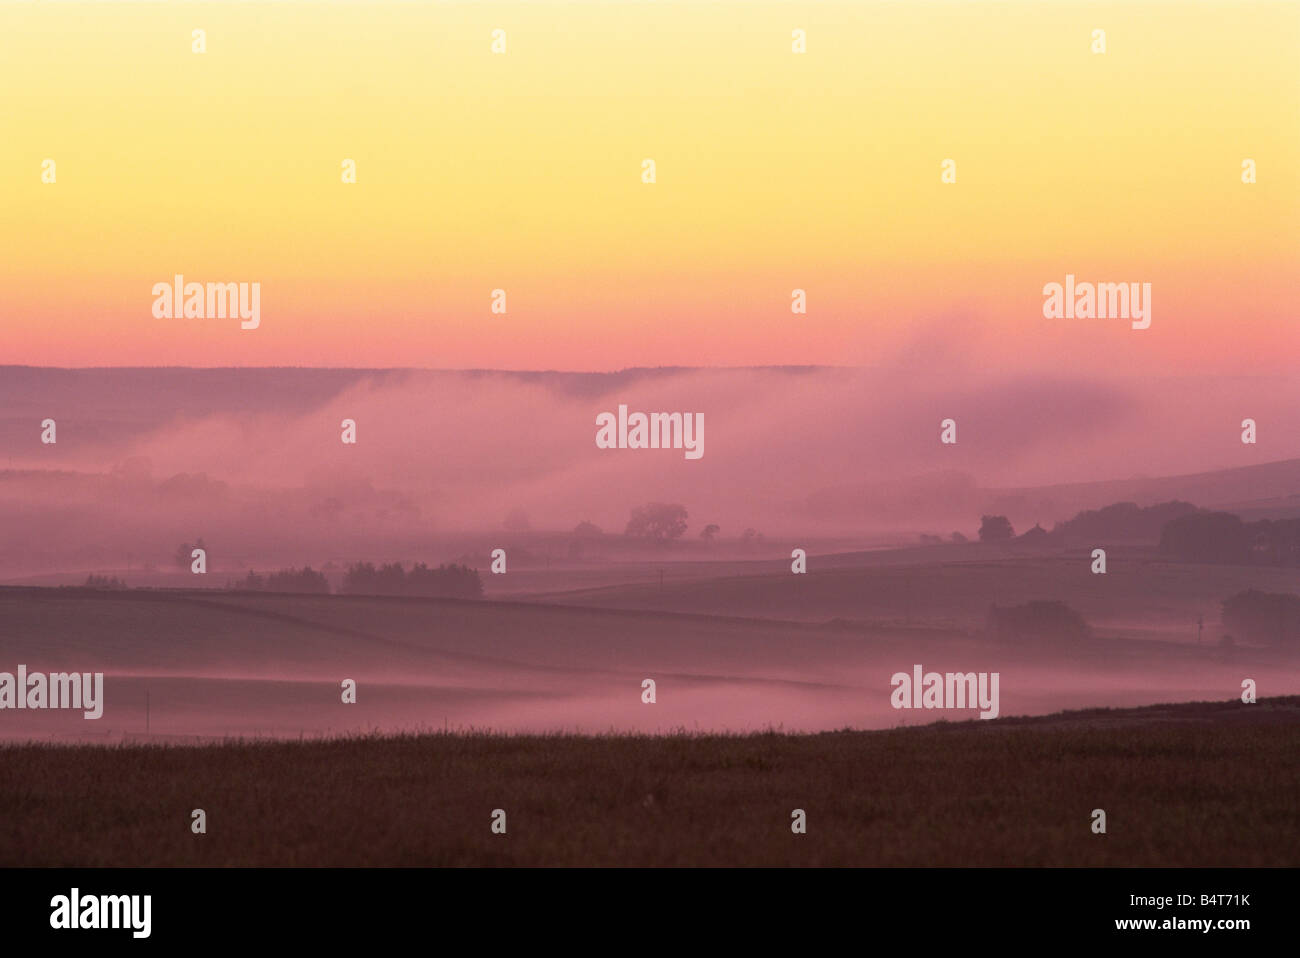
(1268, 490)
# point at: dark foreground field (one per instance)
(1211, 784)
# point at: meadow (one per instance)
(1197, 784)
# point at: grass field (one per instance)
(265, 665)
(1209, 784)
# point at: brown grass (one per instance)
(1210, 784)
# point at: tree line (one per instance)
(365, 578)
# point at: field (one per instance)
(204, 665)
(773, 693)
(1201, 784)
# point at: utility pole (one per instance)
(1200, 625)
(146, 711)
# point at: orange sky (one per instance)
(775, 171)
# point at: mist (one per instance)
(253, 460)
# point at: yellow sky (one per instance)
(522, 171)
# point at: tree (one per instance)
(104, 582)
(359, 579)
(294, 580)
(390, 578)
(1038, 620)
(709, 532)
(995, 529)
(658, 521)
(587, 530)
(1122, 520)
(447, 581)
(454, 581)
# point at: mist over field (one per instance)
(449, 466)
(251, 459)
(221, 665)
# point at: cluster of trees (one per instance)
(1039, 619)
(286, 580)
(664, 521)
(446, 581)
(585, 534)
(1123, 520)
(1184, 533)
(1225, 538)
(657, 521)
(995, 529)
(104, 582)
(365, 578)
(1271, 618)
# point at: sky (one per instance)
(775, 171)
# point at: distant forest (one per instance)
(365, 578)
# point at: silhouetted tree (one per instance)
(658, 521)
(1122, 520)
(710, 532)
(104, 582)
(447, 581)
(250, 583)
(390, 578)
(1040, 619)
(360, 579)
(295, 580)
(995, 529)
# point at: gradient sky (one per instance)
(775, 171)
